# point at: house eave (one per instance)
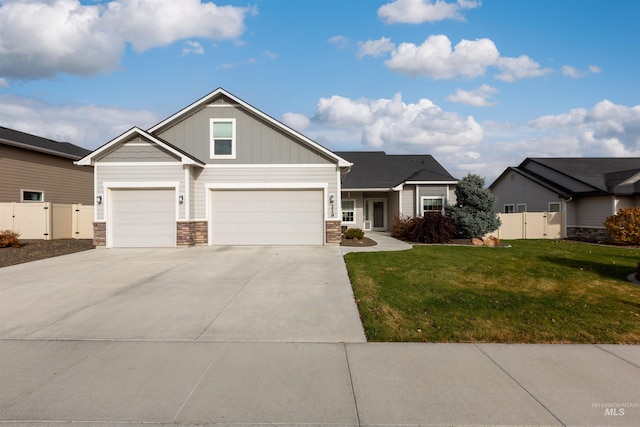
(89, 160)
(367, 189)
(39, 149)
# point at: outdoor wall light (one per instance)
(181, 199)
(332, 198)
(99, 198)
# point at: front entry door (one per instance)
(378, 215)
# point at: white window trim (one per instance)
(555, 203)
(23, 190)
(342, 210)
(423, 198)
(518, 207)
(513, 208)
(233, 139)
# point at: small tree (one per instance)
(473, 214)
(624, 227)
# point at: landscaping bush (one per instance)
(473, 214)
(624, 227)
(432, 228)
(400, 227)
(354, 233)
(8, 239)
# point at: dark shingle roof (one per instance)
(44, 145)
(376, 169)
(593, 171)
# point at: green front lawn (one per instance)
(537, 291)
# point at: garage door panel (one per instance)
(267, 217)
(143, 218)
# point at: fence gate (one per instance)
(529, 225)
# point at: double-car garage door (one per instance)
(266, 217)
(147, 217)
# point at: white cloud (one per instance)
(88, 126)
(42, 38)
(436, 58)
(192, 47)
(151, 23)
(396, 126)
(569, 71)
(375, 48)
(296, 121)
(520, 68)
(272, 56)
(477, 97)
(341, 42)
(3, 82)
(574, 73)
(419, 11)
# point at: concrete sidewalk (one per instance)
(250, 383)
(384, 243)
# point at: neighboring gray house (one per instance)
(381, 187)
(217, 172)
(36, 169)
(586, 190)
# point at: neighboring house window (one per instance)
(432, 204)
(223, 138)
(31, 196)
(348, 211)
(554, 207)
(522, 207)
(508, 208)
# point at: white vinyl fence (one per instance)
(47, 221)
(529, 225)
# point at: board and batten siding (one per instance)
(134, 174)
(514, 189)
(59, 179)
(139, 150)
(263, 176)
(257, 142)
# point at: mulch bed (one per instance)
(365, 241)
(33, 250)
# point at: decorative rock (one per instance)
(488, 242)
(496, 241)
(477, 242)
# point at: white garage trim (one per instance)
(319, 233)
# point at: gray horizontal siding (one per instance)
(409, 201)
(137, 174)
(257, 142)
(514, 189)
(592, 211)
(59, 179)
(258, 175)
(139, 151)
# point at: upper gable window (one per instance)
(223, 138)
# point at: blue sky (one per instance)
(479, 85)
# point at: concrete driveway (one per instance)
(281, 294)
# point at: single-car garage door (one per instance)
(267, 217)
(143, 218)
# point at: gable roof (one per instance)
(42, 145)
(221, 92)
(379, 170)
(572, 176)
(185, 158)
